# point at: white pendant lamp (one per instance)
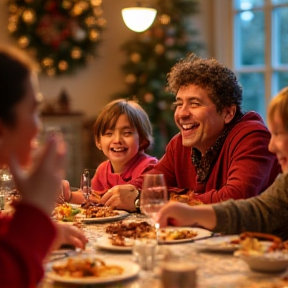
(139, 18)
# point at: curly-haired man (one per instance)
(220, 152)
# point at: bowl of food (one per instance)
(266, 255)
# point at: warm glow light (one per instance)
(138, 19)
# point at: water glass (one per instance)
(153, 194)
(144, 252)
(178, 274)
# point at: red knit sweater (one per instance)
(244, 167)
(24, 241)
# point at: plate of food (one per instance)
(91, 270)
(270, 255)
(102, 214)
(229, 243)
(173, 235)
(121, 231)
(66, 212)
(115, 243)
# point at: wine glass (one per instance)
(153, 195)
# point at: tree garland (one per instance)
(61, 34)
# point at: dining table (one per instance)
(213, 268)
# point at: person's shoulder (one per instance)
(103, 165)
(250, 122)
(143, 157)
(252, 119)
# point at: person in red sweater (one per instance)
(122, 132)
(220, 153)
(29, 234)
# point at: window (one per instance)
(260, 50)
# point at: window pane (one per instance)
(253, 93)
(280, 36)
(248, 4)
(250, 39)
(279, 1)
(281, 81)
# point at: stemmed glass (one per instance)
(153, 196)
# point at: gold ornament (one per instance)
(93, 35)
(135, 57)
(159, 49)
(63, 65)
(51, 71)
(148, 97)
(12, 27)
(46, 62)
(29, 16)
(90, 21)
(96, 2)
(98, 11)
(66, 4)
(13, 8)
(101, 22)
(130, 79)
(164, 19)
(76, 53)
(23, 42)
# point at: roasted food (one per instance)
(99, 212)
(65, 212)
(85, 267)
(120, 231)
(185, 198)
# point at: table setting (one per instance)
(129, 250)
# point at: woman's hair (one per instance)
(137, 117)
(280, 104)
(221, 83)
(15, 68)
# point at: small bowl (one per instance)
(274, 262)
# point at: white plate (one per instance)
(105, 243)
(201, 233)
(121, 215)
(130, 268)
(218, 244)
(269, 262)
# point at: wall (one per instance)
(91, 87)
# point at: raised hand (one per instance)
(39, 186)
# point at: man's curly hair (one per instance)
(221, 83)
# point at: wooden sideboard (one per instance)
(71, 125)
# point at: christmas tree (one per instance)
(150, 56)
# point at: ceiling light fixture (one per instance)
(138, 18)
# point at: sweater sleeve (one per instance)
(267, 213)
(24, 241)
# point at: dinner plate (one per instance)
(122, 214)
(105, 243)
(218, 244)
(201, 233)
(130, 270)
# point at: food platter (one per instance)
(219, 244)
(130, 270)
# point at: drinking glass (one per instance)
(153, 195)
(85, 184)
